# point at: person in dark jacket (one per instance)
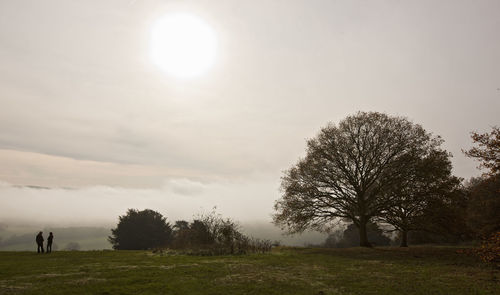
(39, 242)
(49, 242)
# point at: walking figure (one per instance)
(39, 242)
(49, 242)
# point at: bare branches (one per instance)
(350, 169)
(488, 151)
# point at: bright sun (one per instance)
(182, 45)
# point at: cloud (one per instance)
(40, 170)
(185, 187)
(25, 209)
(277, 81)
(98, 205)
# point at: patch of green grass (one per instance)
(429, 270)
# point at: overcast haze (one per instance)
(87, 116)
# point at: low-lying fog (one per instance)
(86, 215)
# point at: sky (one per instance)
(90, 126)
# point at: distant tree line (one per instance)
(208, 234)
(374, 169)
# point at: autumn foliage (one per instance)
(487, 151)
(488, 252)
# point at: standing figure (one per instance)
(49, 242)
(39, 242)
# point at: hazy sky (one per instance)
(85, 113)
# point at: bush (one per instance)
(489, 251)
(141, 230)
(210, 234)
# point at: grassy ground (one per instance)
(284, 271)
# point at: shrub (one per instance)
(489, 251)
(210, 234)
(141, 230)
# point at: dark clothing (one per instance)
(49, 243)
(39, 242)
(39, 238)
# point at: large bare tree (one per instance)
(349, 171)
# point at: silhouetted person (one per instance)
(39, 242)
(49, 243)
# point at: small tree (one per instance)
(429, 182)
(200, 234)
(141, 230)
(348, 171)
(181, 234)
(488, 151)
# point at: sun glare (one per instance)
(182, 45)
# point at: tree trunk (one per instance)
(404, 238)
(363, 237)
